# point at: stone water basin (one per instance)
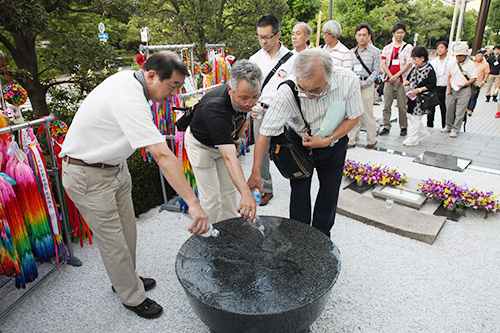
(242, 281)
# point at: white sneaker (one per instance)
(453, 135)
(410, 143)
(446, 130)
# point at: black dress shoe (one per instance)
(384, 131)
(403, 132)
(148, 283)
(495, 99)
(148, 309)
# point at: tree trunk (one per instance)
(37, 92)
(26, 61)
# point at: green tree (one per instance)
(209, 21)
(71, 46)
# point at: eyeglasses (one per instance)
(326, 33)
(316, 92)
(266, 37)
(248, 101)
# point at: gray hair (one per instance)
(307, 28)
(248, 71)
(308, 61)
(333, 27)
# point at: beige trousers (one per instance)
(402, 104)
(367, 118)
(217, 193)
(489, 83)
(104, 198)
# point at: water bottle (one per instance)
(185, 223)
(212, 232)
(257, 223)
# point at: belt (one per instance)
(76, 161)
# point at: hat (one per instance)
(461, 48)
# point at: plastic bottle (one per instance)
(212, 232)
(185, 223)
(257, 223)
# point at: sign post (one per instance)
(102, 36)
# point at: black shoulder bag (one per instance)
(183, 122)
(292, 160)
(380, 89)
(377, 81)
(275, 68)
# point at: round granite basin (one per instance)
(243, 281)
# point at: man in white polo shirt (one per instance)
(113, 121)
(268, 58)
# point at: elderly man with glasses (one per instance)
(275, 61)
(319, 86)
(212, 139)
(339, 52)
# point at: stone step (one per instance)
(400, 220)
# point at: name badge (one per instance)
(358, 68)
(395, 62)
(495, 63)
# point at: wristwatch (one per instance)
(333, 141)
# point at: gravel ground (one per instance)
(388, 283)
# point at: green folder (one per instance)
(334, 116)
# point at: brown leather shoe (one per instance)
(371, 146)
(265, 199)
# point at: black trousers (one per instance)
(472, 101)
(441, 94)
(329, 164)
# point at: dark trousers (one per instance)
(329, 163)
(441, 94)
(472, 101)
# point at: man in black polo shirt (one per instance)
(211, 140)
(494, 62)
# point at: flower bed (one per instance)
(460, 196)
(372, 174)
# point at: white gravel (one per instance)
(388, 283)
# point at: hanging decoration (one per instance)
(140, 59)
(13, 93)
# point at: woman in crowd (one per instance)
(422, 78)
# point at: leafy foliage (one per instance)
(210, 21)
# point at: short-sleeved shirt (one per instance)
(266, 64)
(457, 76)
(494, 64)
(344, 86)
(482, 69)
(340, 54)
(404, 57)
(214, 122)
(113, 121)
(441, 67)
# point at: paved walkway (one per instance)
(480, 143)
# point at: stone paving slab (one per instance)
(400, 220)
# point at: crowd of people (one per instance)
(115, 119)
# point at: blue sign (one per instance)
(101, 27)
(103, 36)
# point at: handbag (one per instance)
(292, 160)
(428, 99)
(380, 88)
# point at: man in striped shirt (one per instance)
(319, 85)
(339, 52)
(366, 65)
